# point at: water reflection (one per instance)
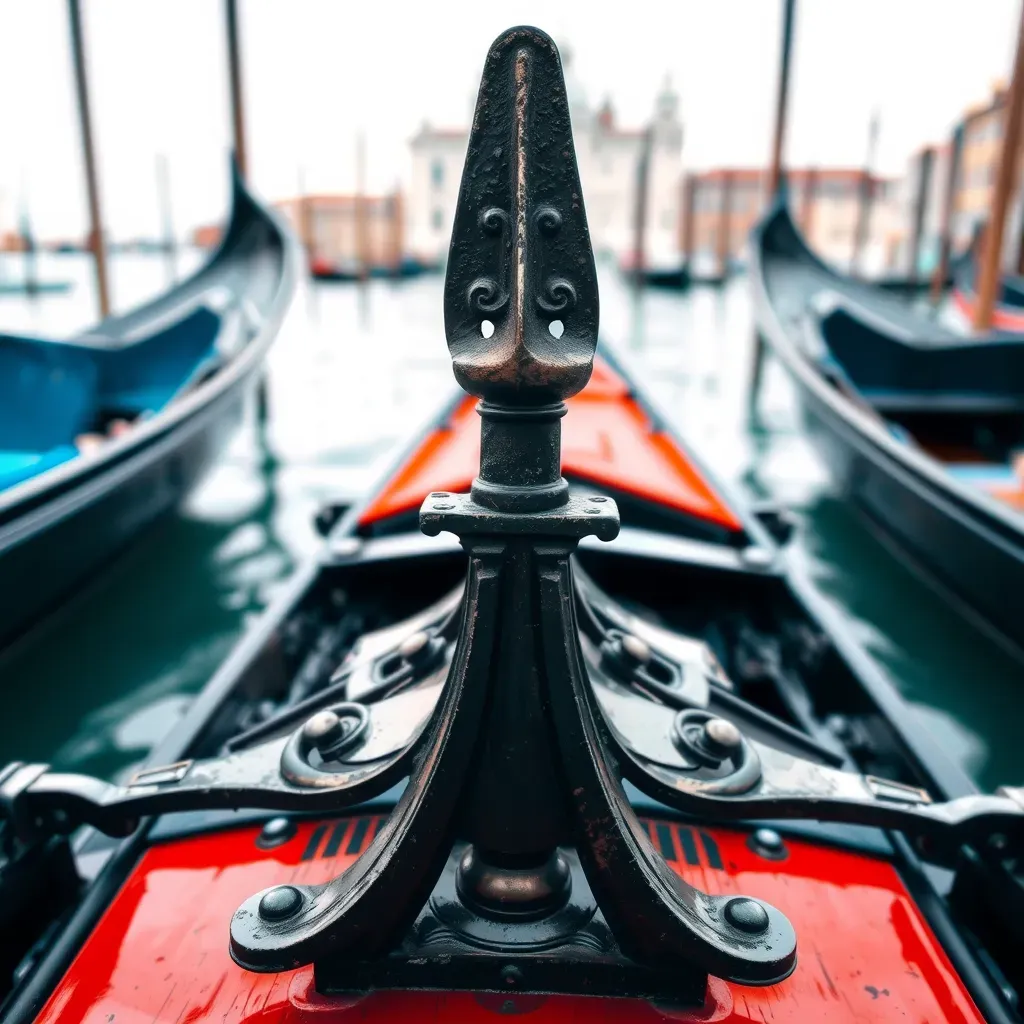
(354, 369)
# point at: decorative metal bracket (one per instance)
(513, 860)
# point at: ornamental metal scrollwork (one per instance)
(486, 295)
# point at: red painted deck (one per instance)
(1004, 318)
(607, 440)
(160, 956)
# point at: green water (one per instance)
(352, 373)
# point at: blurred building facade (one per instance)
(349, 232)
(932, 206)
(608, 156)
(827, 203)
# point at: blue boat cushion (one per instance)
(145, 376)
(984, 474)
(894, 371)
(47, 393)
(18, 466)
(50, 392)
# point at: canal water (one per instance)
(353, 371)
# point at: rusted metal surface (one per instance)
(520, 257)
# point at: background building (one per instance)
(826, 203)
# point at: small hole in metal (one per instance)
(486, 328)
(556, 328)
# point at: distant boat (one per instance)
(102, 434)
(922, 429)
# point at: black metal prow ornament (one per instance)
(514, 845)
(513, 861)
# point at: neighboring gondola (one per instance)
(102, 434)
(921, 429)
(451, 740)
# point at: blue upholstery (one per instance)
(50, 392)
(18, 466)
(985, 474)
(145, 376)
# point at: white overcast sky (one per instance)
(317, 72)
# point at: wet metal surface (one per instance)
(108, 676)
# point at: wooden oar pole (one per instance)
(988, 278)
(810, 190)
(775, 167)
(781, 98)
(956, 146)
(97, 242)
(235, 85)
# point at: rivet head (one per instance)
(638, 650)
(754, 557)
(443, 506)
(323, 728)
(721, 736)
(746, 915)
(413, 644)
(275, 832)
(280, 903)
(768, 839)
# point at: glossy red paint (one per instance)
(607, 440)
(159, 955)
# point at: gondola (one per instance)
(921, 428)
(578, 747)
(102, 434)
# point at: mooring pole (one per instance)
(781, 98)
(924, 186)
(948, 209)
(867, 188)
(163, 189)
(643, 169)
(988, 278)
(725, 225)
(96, 241)
(810, 190)
(235, 84)
(775, 167)
(689, 208)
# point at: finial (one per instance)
(520, 304)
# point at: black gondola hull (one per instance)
(63, 527)
(962, 541)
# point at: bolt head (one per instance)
(637, 650)
(323, 728)
(746, 915)
(768, 839)
(280, 903)
(275, 832)
(721, 736)
(754, 557)
(413, 645)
